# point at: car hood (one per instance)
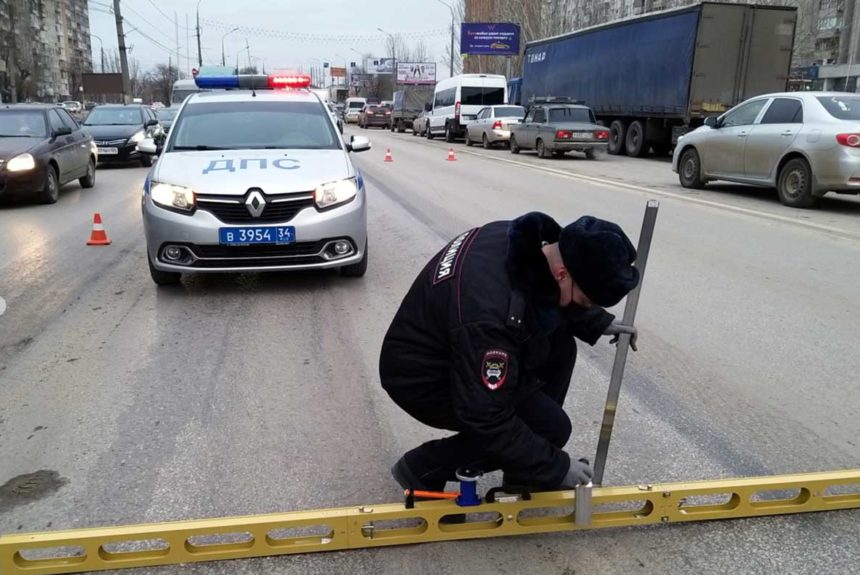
(11, 147)
(233, 172)
(113, 132)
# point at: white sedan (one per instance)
(492, 124)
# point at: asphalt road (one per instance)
(243, 394)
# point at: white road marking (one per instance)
(2, 306)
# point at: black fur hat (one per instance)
(600, 258)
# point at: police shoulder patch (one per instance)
(446, 267)
(494, 368)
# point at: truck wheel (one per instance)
(635, 141)
(794, 184)
(617, 134)
(400, 127)
(690, 170)
(449, 134)
(515, 149)
(541, 149)
(391, 126)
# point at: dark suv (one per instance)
(118, 128)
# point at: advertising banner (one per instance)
(416, 73)
(490, 38)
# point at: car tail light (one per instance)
(850, 140)
(601, 134)
(563, 134)
(368, 113)
(457, 110)
(387, 113)
(497, 125)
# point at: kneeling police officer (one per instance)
(483, 344)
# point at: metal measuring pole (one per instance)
(624, 342)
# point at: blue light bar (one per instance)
(243, 81)
(217, 82)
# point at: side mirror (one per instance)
(62, 131)
(358, 144)
(150, 123)
(712, 122)
(147, 146)
(428, 107)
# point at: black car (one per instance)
(118, 128)
(41, 148)
(166, 117)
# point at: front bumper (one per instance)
(22, 183)
(198, 234)
(575, 146)
(125, 153)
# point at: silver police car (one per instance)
(254, 180)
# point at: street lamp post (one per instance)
(451, 8)
(199, 51)
(393, 52)
(101, 50)
(223, 62)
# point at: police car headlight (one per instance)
(169, 196)
(21, 163)
(136, 138)
(334, 193)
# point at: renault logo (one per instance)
(255, 203)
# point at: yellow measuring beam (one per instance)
(80, 550)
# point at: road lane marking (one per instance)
(2, 306)
(840, 232)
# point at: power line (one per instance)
(148, 23)
(160, 11)
(317, 37)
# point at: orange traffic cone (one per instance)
(451, 156)
(388, 157)
(98, 237)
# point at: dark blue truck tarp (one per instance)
(640, 67)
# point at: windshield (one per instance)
(509, 111)
(481, 96)
(166, 114)
(570, 115)
(23, 124)
(178, 96)
(254, 125)
(114, 117)
(842, 107)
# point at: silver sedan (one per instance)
(492, 124)
(804, 144)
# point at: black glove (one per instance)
(617, 328)
(580, 473)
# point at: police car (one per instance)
(254, 176)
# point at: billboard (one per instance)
(379, 66)
(337, 72)
(102, 83)
(418, 73)
(492, 38)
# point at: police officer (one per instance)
(483, 344)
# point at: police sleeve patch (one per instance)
(494, 368)
(446, 267)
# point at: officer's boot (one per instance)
(407, 480)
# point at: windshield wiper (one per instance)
(200, 148)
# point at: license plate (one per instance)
(108, 151)
(583, 135)
(257, 235)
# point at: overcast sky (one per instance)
(260, 23)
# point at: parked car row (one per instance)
(44, 146)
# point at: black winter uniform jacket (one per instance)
(474, 334)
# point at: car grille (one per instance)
(278, 208)
(296, 254)
(111, 142)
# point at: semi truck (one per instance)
(652, 78)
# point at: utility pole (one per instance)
(187, 44)
(199, 52)
(123, 57)
(176, 32)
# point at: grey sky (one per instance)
(319, 17)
